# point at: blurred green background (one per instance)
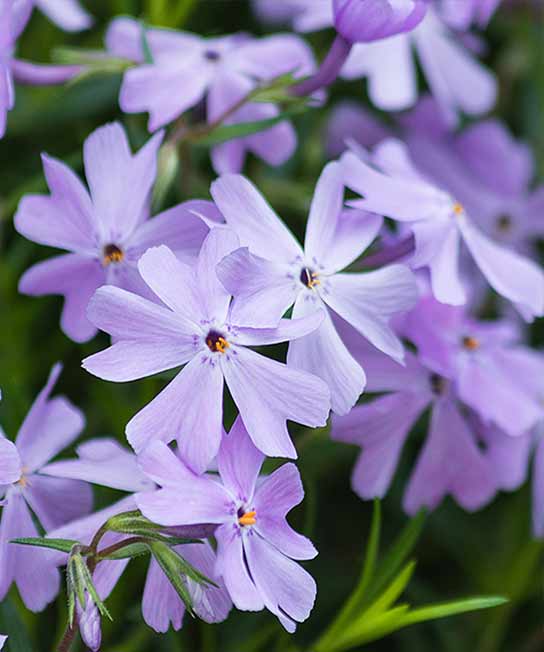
(459, 553)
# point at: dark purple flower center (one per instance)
(216, 342)
(112, 254)
(504, 223)
(470, 343)
(246, 518)
(308, 277)
(438, 384)
(212, 55)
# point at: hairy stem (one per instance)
(68, 638)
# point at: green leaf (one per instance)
(370, 630)
(393, 591)
(224, 133)
(452, 608)
(132, 522)
(87, 581)
(397, 555)
(64, 545)
(128, 552)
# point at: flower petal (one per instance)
(189, 409)
(57, 501)
(10, 462)
(267, 393)
(251, 217)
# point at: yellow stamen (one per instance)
(112, 254)
(314, 280)
(249, 518)
(22, 482)
(458, 208)
(220, 345)
(470, 343)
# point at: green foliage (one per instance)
(370, 613)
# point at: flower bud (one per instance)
(361, 21)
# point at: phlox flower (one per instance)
(50, 426)
(272, 272)
(187, 69)
(439, 222)
(193, 327)
(461, 15)
(362, 21)
(106, 463)
(491, 174)
(304, 15)
(105, 229)
(3, 640)
(68, 14)
(255, 545)
(349, 122)
(478, 439)
(457, 81)
(14, 15)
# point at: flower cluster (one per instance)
(416, 281)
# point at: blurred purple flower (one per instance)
(456, 79)
(68, 14)
(271, 272)
(303, 15)
(105, 230)
(461, 15)
(439, 221)
(349, 121)
(255, 544)
(50, 426)
(470, 451)
(187, 69)
(361, 21)
(195, 329)
(3, 640)
(14, 15)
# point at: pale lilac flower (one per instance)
(68, 14)
(105, 462)
(461, 15)
(3, 640)
(14, 15)
(50, 426)
(490, 173)
(187, 69)
(457, 81)
(304, 15)
(255, 544)
(271, 272)
(195, 329)
(479, 437)
(106, 228)
(439, 222)
(361, 21)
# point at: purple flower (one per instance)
(50, 426)
(272, 272)
(105, 230)
(458, 82)
(68, 14)
(349, 122)
(490, 173)
(361, 21)
(478, 439)
(439, 222)
(3, 640)
(14, 16)
(304, 15)
(195, 329)
(187, 69)
(460, 15)
(106, 463)
(255, 544)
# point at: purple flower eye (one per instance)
(247, 518)
(112, 254)
(470, 343)
(212, 55)
(504, 223)
(216, 342)
(309, 278)
(438, 384)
